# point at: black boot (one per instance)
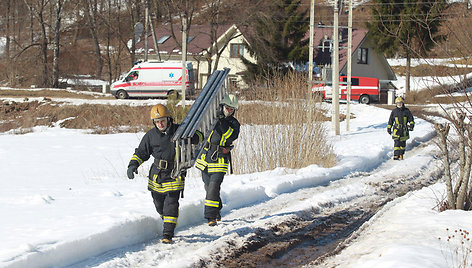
(212, 222)
(167, 239)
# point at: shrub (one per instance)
(457, 248)
(282, 128)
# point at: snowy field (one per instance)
(66, 200)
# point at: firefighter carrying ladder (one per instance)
(202, 116)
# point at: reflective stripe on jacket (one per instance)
(173, 185)
(225, 132)
(400, 120)
(159, 145)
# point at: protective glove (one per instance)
(410, 128)
(131, 171)
(389, 131)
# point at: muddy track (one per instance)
(315, 235)
(288, 243)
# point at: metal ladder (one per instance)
(202, 116)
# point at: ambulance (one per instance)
(363, 89)
(154, 79)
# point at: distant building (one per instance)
(366, 61)
(230, 40)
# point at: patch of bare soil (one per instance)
(296, 242)
(102, 119)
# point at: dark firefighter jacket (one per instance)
(225, 132)
(160, 146)
(401, 121)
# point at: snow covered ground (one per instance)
(65, 200)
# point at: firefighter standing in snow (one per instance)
(216, 155)
(165, 190)
(401, 121)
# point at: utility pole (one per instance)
(310, 60)
(349, 63)
(154, 38)
(335, 115)
(146, 23)
(184, 57)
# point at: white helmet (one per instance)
(231, 101)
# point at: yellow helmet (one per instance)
(159, 111)
(399, 99)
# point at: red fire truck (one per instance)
(364, 89)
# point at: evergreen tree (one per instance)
(409, 26)
(278, 37)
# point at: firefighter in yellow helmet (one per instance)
(399, 125)
(216, 156)
(165, 190)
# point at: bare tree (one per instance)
(182, 10)
(212, 12)
(458, 189)
(7, 19)
(114, 38)
(135, 8)
(7, 33)
(91, 13)
(38, 9)
(108, 40)
(412, 26)
(455, 136)
(57, 38)
(15, 25)
(121, 41)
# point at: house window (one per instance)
(233, 81)
(237, 50)
(362, 56)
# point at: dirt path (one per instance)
(309, 239)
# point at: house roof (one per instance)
(321, 57)
(199, 38)
(200, 41)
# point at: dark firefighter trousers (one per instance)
(167, 205)
(399, 147)
(213, 202)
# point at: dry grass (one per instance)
(284, 130)
(431, 70)
(101, 119)
(423, 96)
(49, 94)
(463, 61)
(438, 94)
